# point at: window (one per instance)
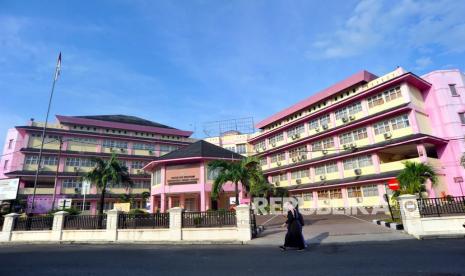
(323, 195)
(313, 124)
(86, 162)
(115, 144)
(296, 130)
(5, 164)
(324, 120)
(392, 94)
(327, 168)
(259, 145)
(317, 146)
(370, 190)
(381, 127)
(328, 143)
(354, 192)
(49, 160)
(278, 157)
(274, 178)
(164, 149)
(320, 170)
(143, 146)
(141, 184)
(462, 117)
(81, 140)
(453, 90)
(399, 122)
(348, 110)
(299, 174)
(355, 135)
(31, 159)
(72, 183)
(277, 138)
(307, 196)
(358, 162)
(78, 205)
(157, 177)
(263, 162)
(335, 193)
(298, 152)
(10, 143)
(72, 161)
(283, 177)
(375, 100)
(241, 148)
(138, 164)
(212, 174)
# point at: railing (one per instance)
(85, 222)
(253, 224)
(209, 219)
(436, 207)
(33, 223)
(143, 221)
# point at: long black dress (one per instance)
(294, 237)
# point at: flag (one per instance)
(58, 69)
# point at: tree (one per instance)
(145, 196)
(107, 171)
(413, 177)
(247, 172)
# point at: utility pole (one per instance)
(56, 174)
(55, 77)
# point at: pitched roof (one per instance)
(124, 119)
(203, 149)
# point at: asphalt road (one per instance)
(407, 257)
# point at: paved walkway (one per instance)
(328, 229)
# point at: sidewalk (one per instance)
(328, 229)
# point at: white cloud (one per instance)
(404, 25)
(423, 62)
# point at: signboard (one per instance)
(182, 174)
(232, 200)
(85, 188)
(9, 188)
(458, 179)
(123, 207)
(64, 203)
(393, 184)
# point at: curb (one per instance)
(392, 225)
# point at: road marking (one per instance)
(270, 219)
(358, 218)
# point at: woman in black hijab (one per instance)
(294, 222)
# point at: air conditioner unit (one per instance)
(304, 157)
(139, 171)
(276, 183)
(273, 145)
(322, 177)
(77, 190)
(76, 169)
(298, 181)
(358, 171)
(325, 152)
(278, 163)
(326, 201)
(353, 145)
(345, 146)
(317, 129)
(352, 117)
(387, 135)
(325, 126)
(294, 159)
(111, 149)
(345, 119)
(121, 149)
(297, 135)
(257, 150)
(150, 151)
(359, 200)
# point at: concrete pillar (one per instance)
(175, 224)
(410, 215)
(244, 233)
(112, 225)
(182, 201)
(162, 202)
(202, 201)
(345, 197)
(8, 225)
(58, 223)
(170, 201)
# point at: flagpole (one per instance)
(55, 76)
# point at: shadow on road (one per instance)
(317, 239)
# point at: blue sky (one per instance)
(183, 63)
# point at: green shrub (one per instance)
(71, 211)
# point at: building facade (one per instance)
(233, 141)
(339, 147)
(70, 143)
(183, 179)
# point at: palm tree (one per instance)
(246, 171)
(413, 177)
(104, 172)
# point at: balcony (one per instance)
(387, 106)
(393, 134)
(39, 191)
(35, 142)
(359, 172)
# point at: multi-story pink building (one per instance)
(339, 147)
(136, 142)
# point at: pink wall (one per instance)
(443, 109)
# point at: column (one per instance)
(422, 153)
(175, 224)
(153, 204)
(243, 223)
(162, 203)
(203, 202)
(375, 160)
(381, 192)
(340, 167)
(182, 201)
(410, 215)
(315, 199)
(412, 118)
(170, 201)
(112, 225)
(8, 225)
(371, 134)
(345, 197)
(57, 227)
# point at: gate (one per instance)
(253, 225)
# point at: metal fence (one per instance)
(253, 224)
(436, 207)
(143, 221)
(85, 222)
(209, 219)
(33, 223)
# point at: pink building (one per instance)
(136, 142)
(339, 147)
(182, 178)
